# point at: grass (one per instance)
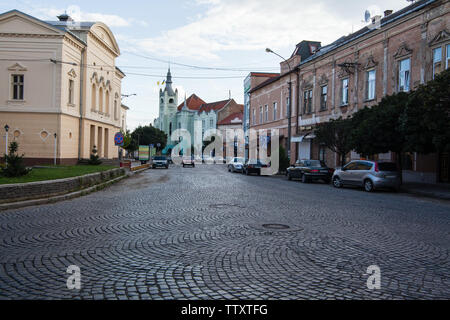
(54, 173)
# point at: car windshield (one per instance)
(160, 158)
(253, 161)
(241, 160)
(313, 163)
(387, 166)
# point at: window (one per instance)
(71, 86)
(322, 153)
(107, 102)
(307, 102)
(323, 97)
(116, 116)
(266, 113)
(17, 86)
(344, 94)
(404, 75)
(447, 64)
(275, 111)
(100, 99)
(260, 115)
(179, 125)
(170, 129)
(437, 61)
(203, 124)
(288, 107)
(371, 82)
(94, 98)
(254, 116)
(211, 123)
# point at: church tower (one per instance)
(168, 102)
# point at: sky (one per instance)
(211, 45)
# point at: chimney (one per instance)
(387, 13)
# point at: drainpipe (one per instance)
(298, 101)
(80, 128)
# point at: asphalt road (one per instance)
(205, 233)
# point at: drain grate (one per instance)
(275, 226)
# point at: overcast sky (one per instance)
(226, 34)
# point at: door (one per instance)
(347, 173)
(361, 171)
(444, 167)
(304, 150)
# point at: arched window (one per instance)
(94, 97)
(116, 115)
(171, 101)
(107, 102)
(170, 129)
(100, 99)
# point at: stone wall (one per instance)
(44, 189)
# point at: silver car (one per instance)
(236, 165)
(370, 175)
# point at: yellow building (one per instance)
(59, 77)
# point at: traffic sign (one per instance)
(119, 139)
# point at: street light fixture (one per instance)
(289, 109)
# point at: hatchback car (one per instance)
(310, 170)
(370, 175)
(236, 165)
(160, 162)
(188, 162)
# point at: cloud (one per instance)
(247, 25)
(78, 15)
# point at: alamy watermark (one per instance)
(74, 280)
(374, 279)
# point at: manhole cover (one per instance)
(274, 226)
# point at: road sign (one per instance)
(158, 145)
(119, 139)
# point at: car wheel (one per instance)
(337, 183)
(368, 185)
(304, 179)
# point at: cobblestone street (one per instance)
(199, 234)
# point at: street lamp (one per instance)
(6, 144)
(289, 109)
(54, 159)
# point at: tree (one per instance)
(377, 130)
(336, 136)
(284, 160)
(129, 144)
(149, 135)
(14, 163)
(425, 123)
(94, 160)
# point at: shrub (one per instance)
(94, 159)
(14, 166)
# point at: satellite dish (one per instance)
(367, 16)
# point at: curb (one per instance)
(426, 194)
(68, 196)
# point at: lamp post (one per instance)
(289, 109)
(54, 159)
(6, 144)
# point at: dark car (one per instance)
(253, 166)
(310, 170)
(160, 162)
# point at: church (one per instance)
(173, 116)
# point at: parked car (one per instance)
(253, 166)
(310, 170)
(188, 162)
(160, 162)
(370, 175)
(236, 165)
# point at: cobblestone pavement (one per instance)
(198, 234)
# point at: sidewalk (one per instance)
(437, 191)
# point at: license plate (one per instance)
(324, 171)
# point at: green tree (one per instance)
(147, 135)
(377, 130)
(14, 163)
(425, 123)
(336, 135)
(94, 159)
(284, 160)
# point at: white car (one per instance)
(236, 165)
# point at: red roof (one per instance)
(193, 103)
(207, 107)
(264, 74)
(232, 119)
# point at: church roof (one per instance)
(214, 106)
(193, 103)
(168, 88)
(235, 118)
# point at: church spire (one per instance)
(169, 84)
